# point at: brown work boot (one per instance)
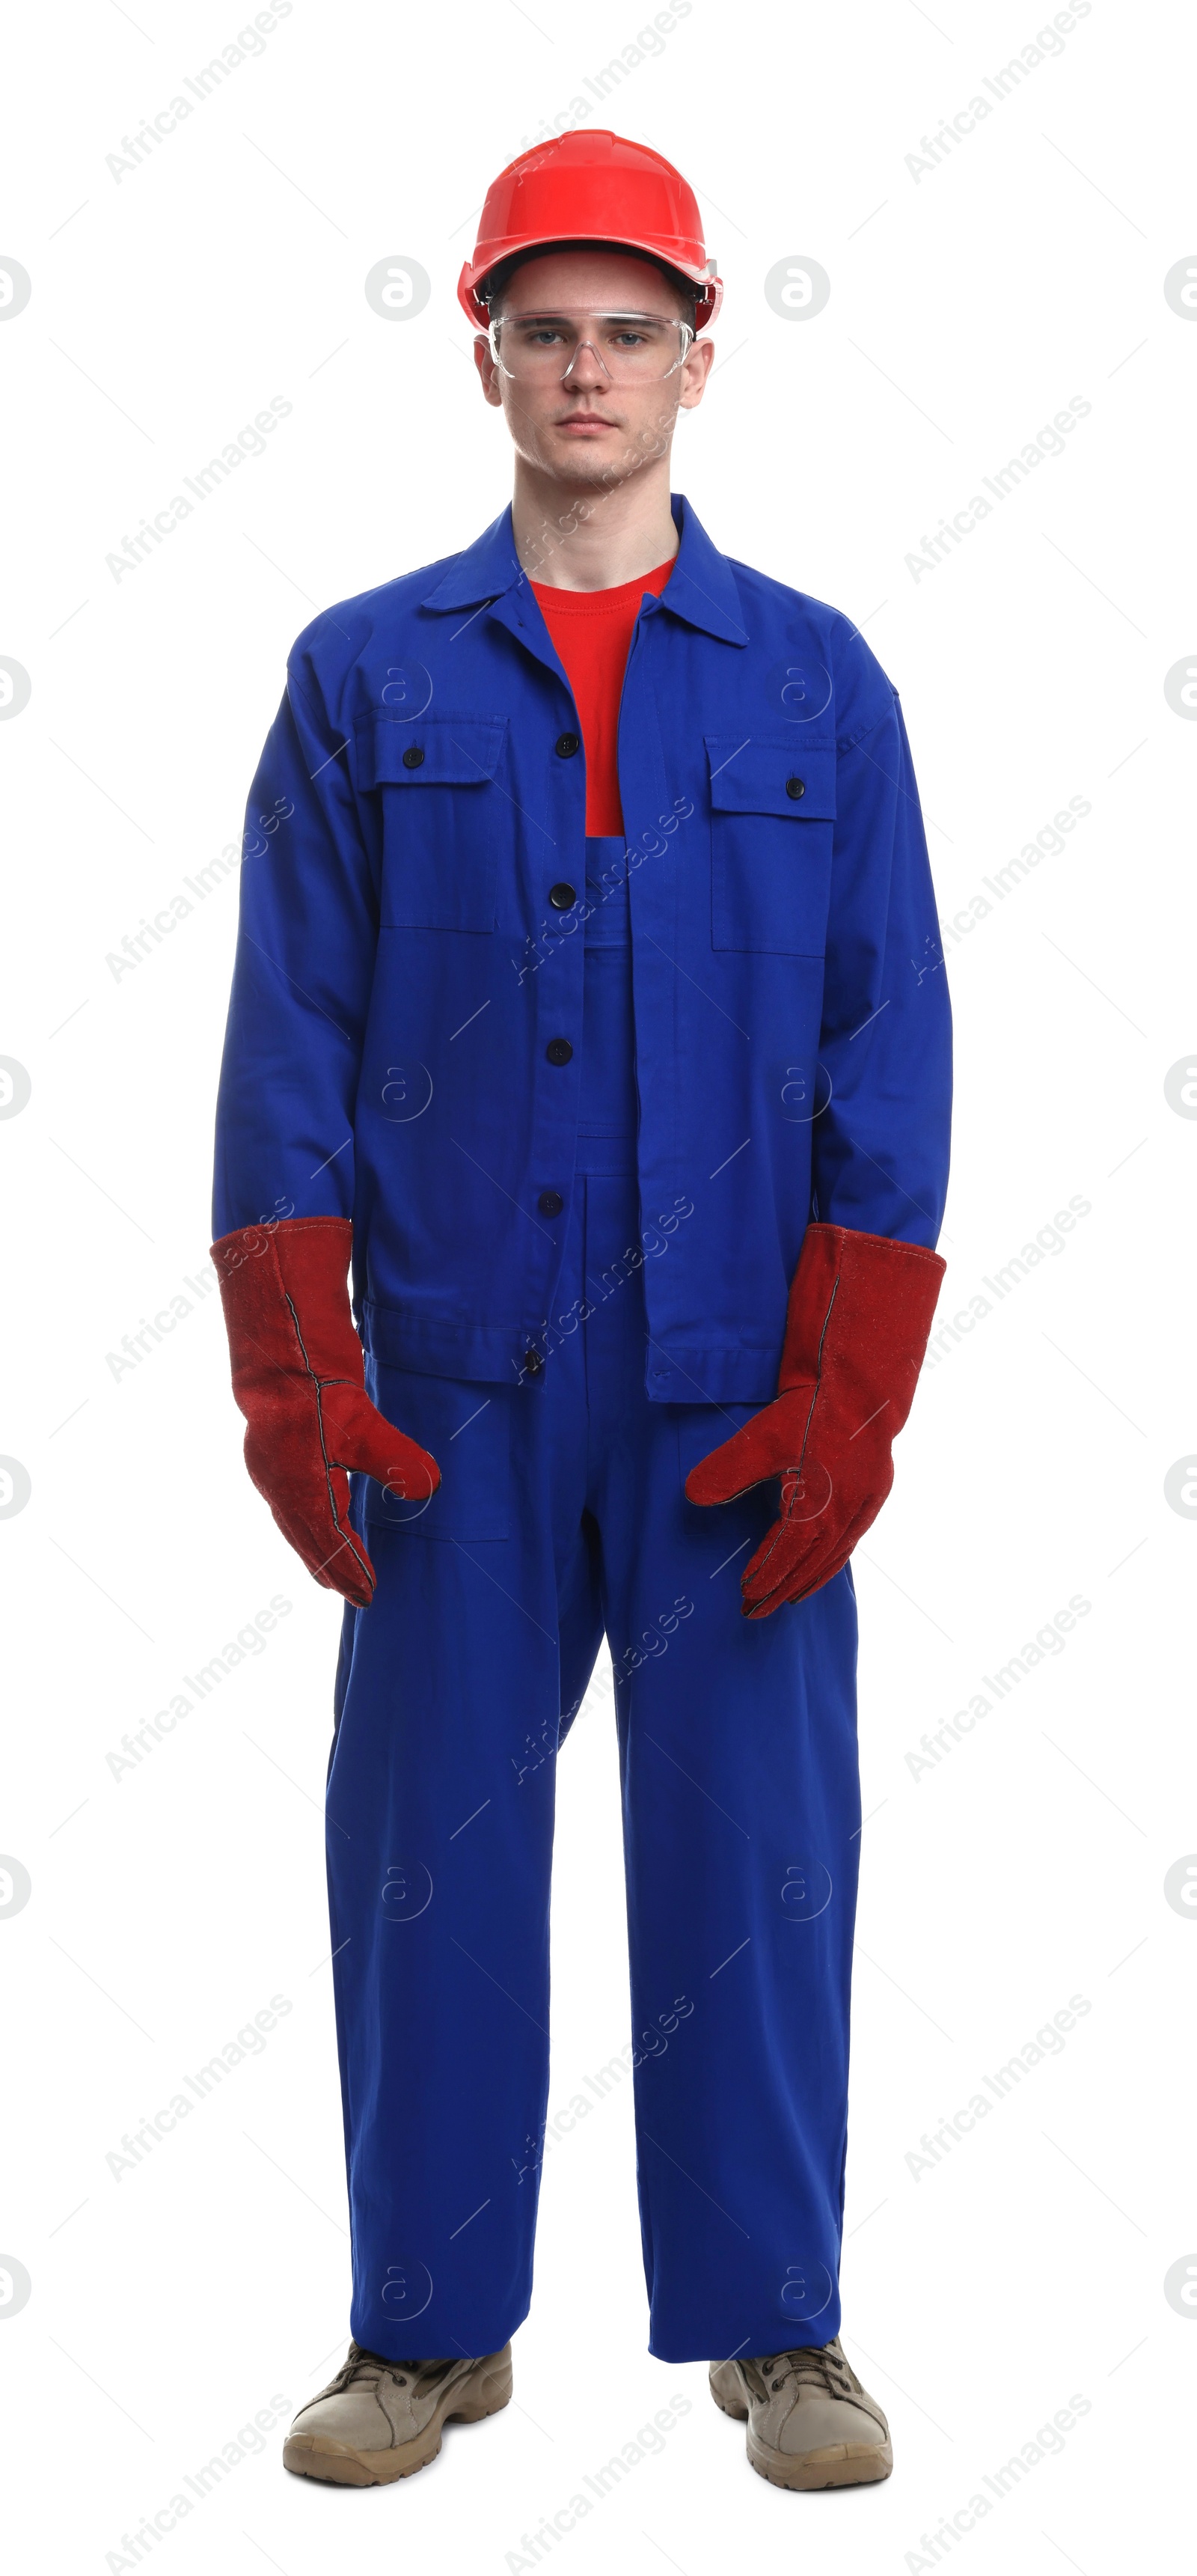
(379, 2420)
(810, 2423)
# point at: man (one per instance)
(588, 991)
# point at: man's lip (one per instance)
(584, 420)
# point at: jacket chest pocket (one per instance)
(435, 783)
(772, 823)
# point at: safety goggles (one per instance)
(630, 348)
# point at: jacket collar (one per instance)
(702, 587)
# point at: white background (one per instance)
(170, 1902)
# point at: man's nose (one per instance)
(586, 367)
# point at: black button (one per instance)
(559, 1050)
(550, 1203)
(533, 1363)
(561, 896)
(795, 787)
(566, 745)
(413, 759)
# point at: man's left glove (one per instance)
(299, 1378)
(859, 1314)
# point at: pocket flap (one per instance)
(455, 751)
(772, 773)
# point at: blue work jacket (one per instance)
(405, 1033)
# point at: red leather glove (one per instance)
(299, 1378)
(859, 1314)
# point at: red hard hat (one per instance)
(592, 186)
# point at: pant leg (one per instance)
(440, 1809)
(741, 1820)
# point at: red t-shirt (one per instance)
(591, 632)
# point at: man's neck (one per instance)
(592, 537)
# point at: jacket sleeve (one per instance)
(880, 1146)
(304, 968)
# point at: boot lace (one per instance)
(822, 2367)
(360, 2364)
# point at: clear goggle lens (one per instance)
(627, 347)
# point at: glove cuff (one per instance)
(866, 1297)
(284, 1290)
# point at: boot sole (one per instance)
(842, 2464)
(313, 2455)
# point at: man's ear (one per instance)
(699, 362)
(487, 370)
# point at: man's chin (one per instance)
(585, 444)
(597, 461)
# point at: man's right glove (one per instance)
(299, 1379)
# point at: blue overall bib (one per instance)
(562, 1516)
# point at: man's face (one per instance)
(579, 425)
